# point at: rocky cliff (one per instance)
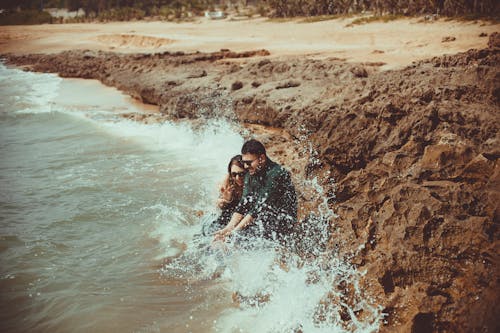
(409, 159)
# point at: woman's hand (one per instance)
(222, 234)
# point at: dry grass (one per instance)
(313, 19)
(375, 18)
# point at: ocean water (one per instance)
(99, 227)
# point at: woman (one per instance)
(230, 191)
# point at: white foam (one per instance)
(288, 296)
(37, 91)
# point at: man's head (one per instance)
(253, 156)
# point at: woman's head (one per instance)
(236, 170)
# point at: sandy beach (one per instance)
(398, 122)
(395, 43)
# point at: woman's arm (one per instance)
(235, 220)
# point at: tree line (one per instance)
(274, 8)
(291, 8)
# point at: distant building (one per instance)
(216, 15)
(64, 13)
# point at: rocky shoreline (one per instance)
(409, 158)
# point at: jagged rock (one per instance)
(448, 39)
(236, 85)
(494, 40)
(197, 74)
(413, 153)
(359, 71)
(288, 84)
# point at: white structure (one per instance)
(217, 15)
(64, 13)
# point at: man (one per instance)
(268, 206)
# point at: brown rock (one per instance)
(359, 71)
(479, 169)
(197, 74)
(448, 39)
(494, 40)
(408, 159)
(236, 85)
(288, 84)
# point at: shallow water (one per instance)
(92, 204)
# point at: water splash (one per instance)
(39, 91)
(301, 287)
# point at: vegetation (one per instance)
(319, 18)
(30, 11)
(25, 17)
(288, 8)
(375, 18)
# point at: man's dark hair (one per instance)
(253, 147)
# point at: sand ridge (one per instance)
(133, 41)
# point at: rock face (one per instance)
(413, 154)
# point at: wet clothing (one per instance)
(225, 216)
(216, 224)
(270, 198)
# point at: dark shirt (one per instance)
(270, 189)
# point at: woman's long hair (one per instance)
(236, 160)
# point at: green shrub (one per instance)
(121, 14)
(25, 17)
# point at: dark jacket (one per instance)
(270, 196)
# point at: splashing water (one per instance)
(275, 289)
(99, 229)
(301, 287)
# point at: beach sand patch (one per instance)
(133, 41)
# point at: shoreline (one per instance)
(413, 153)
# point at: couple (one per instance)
(257, 197)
